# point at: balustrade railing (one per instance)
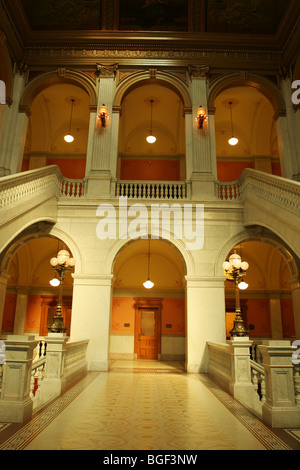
(152, 190)
(38, 371)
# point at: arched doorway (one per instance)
(138, 312)
(30, 300)
(157, 108)
(249, 115)
(57, 110)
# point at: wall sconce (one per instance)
(201, 117)
(102, 115)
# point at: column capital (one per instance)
(199, 72)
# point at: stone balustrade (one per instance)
(34, 374)
(152, 190)
(271, 389)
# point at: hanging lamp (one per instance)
(69, 138)
(148, 284)
(151, 139)
(233, 140)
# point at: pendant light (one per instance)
(69, 138)
(148, 284)
(151, 139)
(233, 140)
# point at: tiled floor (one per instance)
(144, 405)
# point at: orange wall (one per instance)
(173, 313)
(160, 170)
(258, 314)
(9, 312)
(231, 171)
(73, 168)
(287, 314)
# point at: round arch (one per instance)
(161, 78)
(38, 230)
(47, 79)
(259, 234)
(120, 245)
(261, 84)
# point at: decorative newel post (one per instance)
(15, 402)
(280, 409)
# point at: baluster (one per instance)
(263, 388)
(297, 383)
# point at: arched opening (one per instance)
(152, 106)
(57, 110)
(267, 302)
(246, 113)
(159, 311)
(30, 300)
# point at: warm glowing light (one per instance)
(69, 138)
(148, 284)
(233, 141)
(151, 139)
(243, 285)
(54, 282)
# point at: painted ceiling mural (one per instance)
(215, 16)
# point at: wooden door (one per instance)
(147, 331)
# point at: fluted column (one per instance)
(295, 286)
(203, 172)
(288, 132)
(100, 145)
(20, 313)
(14, 130)
(3, 284)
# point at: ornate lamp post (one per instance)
(61, 264)
(234, 270)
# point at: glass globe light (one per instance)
(53, 261)
(71, 262)
(235, 260)
(244, 265)
(54, 282)
(151, 139)
(63, 256)
(226, 265)
(148, 284)
(233, 141)
(68, 138)
(243, 285)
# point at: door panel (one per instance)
(148, 338)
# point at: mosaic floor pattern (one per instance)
(154, 409)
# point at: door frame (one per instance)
(146, 303)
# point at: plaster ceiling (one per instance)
(221, 16)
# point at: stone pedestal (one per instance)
(241, 386)
(53, 384)
(279, 409)
(15, 403)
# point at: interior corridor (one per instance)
(145, 405)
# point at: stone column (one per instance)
(275, 315)
(91, 312)
(15, 403)
(279, 409)
(203, 174)
(20, 313)
(292, 124)
(100, 145)
(295, 286)
(14, 131)
(241, 386)
(205, 304)
(53, 383)
(3, 284)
